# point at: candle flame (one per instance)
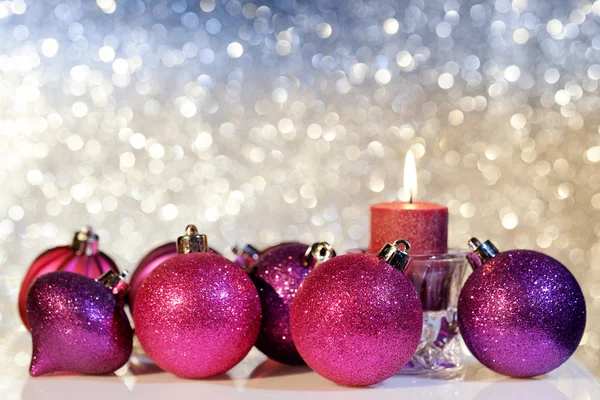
(410, 176)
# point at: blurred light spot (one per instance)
(207, 5)
(456, 117)
(120, 66)
(279, 95)
(404, 59)
(562, 97)
(16, 213)
(324, 30)
(79, 109)
(593, 154)
(521, 36)
(391, 26)
(106, 53)
(512, 73)
(108, 6)
(235, 50)
(49, 47)
(510, 221)
(554, 27)
(376, 184)
(169, 212)
(383, 76)
(446, 80)
(551, 75)
(127, 160)
(443, 29)
(187, 109)
(518, 121)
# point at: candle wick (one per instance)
(411, 196)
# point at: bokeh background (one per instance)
(267, 121)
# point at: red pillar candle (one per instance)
(423, 225)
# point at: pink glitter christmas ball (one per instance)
(77, 325)
(197, 315)
(521, 313)
(356, 320)
(150, 261)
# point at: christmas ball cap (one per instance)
(394, 255)
(480, 252)
(247, 250)
(318, 253)
(85, 242)
(192, 241)
(115, 282)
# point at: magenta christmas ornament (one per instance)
(521, 313)
(78, 324)
(81, 257)
(356, 319)
(197, 314)
(150, 261)
(277, 275)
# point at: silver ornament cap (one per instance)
(85, 242)
(480, 252)
(318, 253)
(192, 241)
(115, 282)
(246, 251)
(396, 256)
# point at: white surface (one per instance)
(258, 378)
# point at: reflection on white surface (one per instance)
(259, 378)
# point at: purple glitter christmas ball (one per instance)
(521, 313)
(82, 256)
(356, 320)
(197, 315)
(277, 275)
(77, 325)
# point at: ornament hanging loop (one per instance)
(394, 255)
(318, 253)
(480, 252)
(85, 242)
(115, 282)
(192, 241)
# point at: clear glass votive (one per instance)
(438, 279)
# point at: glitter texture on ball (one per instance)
(356, 320)
(77, 325)
(521, 313)
(277, 275)
(197, 315)
(148, 263)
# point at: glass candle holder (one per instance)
(438, 279)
